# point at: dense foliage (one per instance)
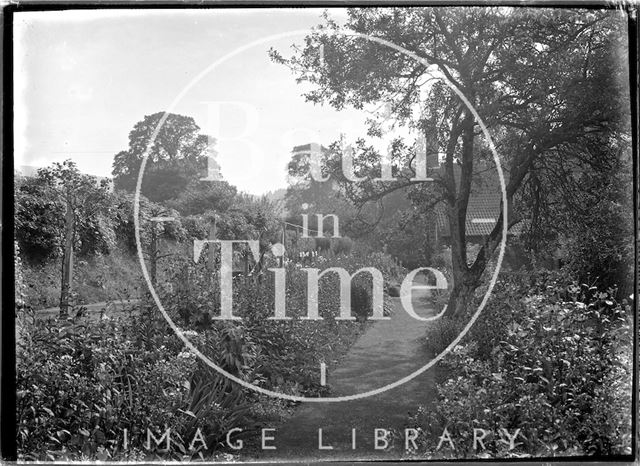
(101, 278)
(41, 203)
(177, 157)
(286, 352)
(526, 72)
(81, 383)
(548, 357)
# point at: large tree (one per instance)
(542, 80)
(177, 157)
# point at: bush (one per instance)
(79, 386)
(361, 302)
(394, 291)
(287, 353)
(554, 361)
(342, 245)
(440, 334)
(96, 279)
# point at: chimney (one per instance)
(314, 148)
(428, 152)
(305, 153)
(308, 149)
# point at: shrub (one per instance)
(342, 246)
(440, 334)
(394, 291)
(98, 278)
(287, 353)
(79, 386)
(361, 302)
(554, 362)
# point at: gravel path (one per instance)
(389, 351)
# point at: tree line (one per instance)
(62, 213)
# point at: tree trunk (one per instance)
(67, 262)
(460, 298)
(465, 279)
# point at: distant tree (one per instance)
(305, 195)
(199, 197)
(177, 157)
(406, 235)
(393, 222)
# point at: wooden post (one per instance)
(67, 261)
(281, 258)
(211, 258)
(184, 282)
(153, 254)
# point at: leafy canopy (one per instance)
(177, 157)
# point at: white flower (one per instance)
(186, 354)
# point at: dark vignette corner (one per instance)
(634, 62)
(7, 338)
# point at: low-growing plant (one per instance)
(80, 385)
(285, 354)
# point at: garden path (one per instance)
(387, 352)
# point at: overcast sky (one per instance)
(83, 79)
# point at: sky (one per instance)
(82, 79)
